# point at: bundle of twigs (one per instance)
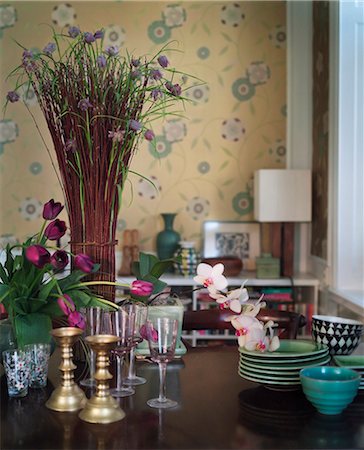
(97, 105)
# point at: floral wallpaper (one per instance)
(204, 159)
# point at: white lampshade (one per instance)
(282, 195)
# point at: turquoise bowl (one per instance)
(330, 389)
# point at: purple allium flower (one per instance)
(84, 104)
(51, 209)
(135, 62)
(89, 37)
(84, 263)
(174, 89)
(156, 93)
(135, 74)
(59, 259)
(99, 34)
(73, 32)
(27, 54)
(12, 96)
(135, 125)
(149, 135)
(163, 61)
(156, 74)
(101, 61)
(38, 255)
(55, 230)
(70, 145)
(49, 48)
(116, 136)
(112, 50)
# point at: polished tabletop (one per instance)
(217, 410)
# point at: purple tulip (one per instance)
(66, 304)
(89, 37)
(141, 288)
(76, 319)
(84, 263)
(99, 34)
(51, 209)
(156, 74)
(135, 62)
(156, 93)
(112, 50)
(55, 230)
(12, 96)
(163, 61)
(59, 259)
(84, 104)
(71, 145)
(135, 125)
(101, 61)
(73, 32)
(38, 255)
(49, 48)
(149, 135)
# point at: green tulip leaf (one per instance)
(32, 328)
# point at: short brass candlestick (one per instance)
(67, 397)
(102, 408)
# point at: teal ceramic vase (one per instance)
(167, 239)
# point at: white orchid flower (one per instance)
(233, 299)
(245, 328)
(211, 277)
(259, 341)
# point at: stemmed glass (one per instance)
(93, 317)
(141, 316)
(122, 324)
(162, 337)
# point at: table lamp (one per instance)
(281, 198)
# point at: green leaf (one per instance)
(4, 291)
(194, 142)
(46, 289)
(35, 304)
(73, 278)
(32, 328)
(228, 152)
(221, 194)
(161, 267)
(220, 79)
(146, 262)
(227, 182)
(3, 275)
(207, 143)
(9, 264)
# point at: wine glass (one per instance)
(122, 323)
(93, 317)
(141, 316)
(162, 337)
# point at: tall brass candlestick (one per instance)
(102, 408)
(67, 397)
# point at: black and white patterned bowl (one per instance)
(336, 326)
(338, 345)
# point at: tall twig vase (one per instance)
(67, 397)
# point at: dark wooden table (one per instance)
(217, 410)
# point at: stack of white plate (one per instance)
(355, 362)
(281, 369)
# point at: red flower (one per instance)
(51, 209)
(84, 263)
(55, 230)
(59, 259)
(76, 319)
(38, 255)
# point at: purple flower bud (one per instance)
(135, 125)
(156, 93)
(12, 96)
(51, 209)
(156, 74)
(135, 62)
(73, 32)
(135, 74)
(84, 263)
(174, 89)
(112, 50)
(84, 104)
(49, 48)
(38, 255)
(149, 135)
(27, 54)
(99, 34)
(70, 145)
(76, 319)
(116, 136)
(66, 304)
(55, 230)
(163, 61)
(89, 37)
(59, 259)
(101, 61)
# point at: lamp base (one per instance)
(282, 239)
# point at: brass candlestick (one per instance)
(102, 408)
(67, 397)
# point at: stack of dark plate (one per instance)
(280, 370)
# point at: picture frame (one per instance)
(241, 239)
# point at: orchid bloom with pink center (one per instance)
(210, 277)
(260, 341)
(233, 299)
(245, 328)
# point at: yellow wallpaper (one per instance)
(204, 162)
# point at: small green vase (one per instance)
(168, 239)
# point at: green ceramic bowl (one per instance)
(330, 389)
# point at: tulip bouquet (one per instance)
(32, 288)
(98, 105)
(252, 333)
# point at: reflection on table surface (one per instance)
(217, 410)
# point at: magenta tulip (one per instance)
(84, 263)
(38, 255)
(66, 304)
(59, 259)
(55, 230)
(141, 288)
(51, 209)
(76, 319)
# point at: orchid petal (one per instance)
(217, 270)
(274, 344)
(235, 306)
(204, 270)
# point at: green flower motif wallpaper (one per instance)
(203, 159)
